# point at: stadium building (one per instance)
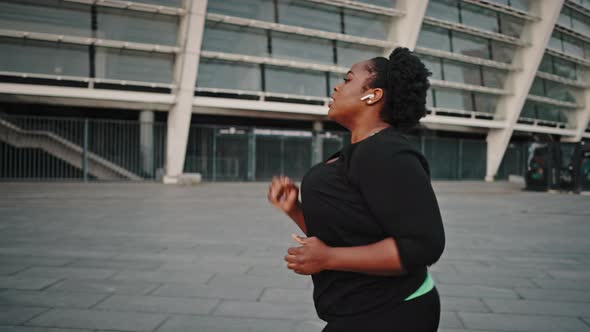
(236, 90)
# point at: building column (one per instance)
(187, 61)
(404, 30)
(317, 143)
(537, 33)
(582, 117)
(146, 142)
(251, 170)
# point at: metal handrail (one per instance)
(244, 22)
(465, 58)
(474, 31)
(136, 6)
(89, 41)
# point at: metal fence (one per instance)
(56, 148)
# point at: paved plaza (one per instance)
(149, 257)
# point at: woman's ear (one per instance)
(378, 94)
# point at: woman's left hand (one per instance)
(312, 257)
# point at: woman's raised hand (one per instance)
(284, 194)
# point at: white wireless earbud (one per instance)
(370, 95)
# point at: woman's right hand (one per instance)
(284, 194)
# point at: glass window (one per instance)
(433, 64)
(528, 110)
(547, 112)
(348, 54)
(235, 39)
(581, 23)
(454, 99)
(297, 47)
(510, 25)
(494, 78)
(254, 9)
(39, 57)
(139, 27)
(134, 65)
(565, 18)
(461, 72)
(429, 98)
(520, 4)
(565, 68)
(49, 16)
(546, 64)
(169, 3)
(485, 103)
(435, 38)
(479, 17)
(229, 75)
(335, 79)
(555, 41)
(573, 46)
(538, 87)
(559, 91)
(447, 10)
(502, 52)
(470, 45)
(368, 25)
(384, 3)
(501, 2)
(309, 15)
(295, 81)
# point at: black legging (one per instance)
(421, 314)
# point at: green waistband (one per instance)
(426, 287)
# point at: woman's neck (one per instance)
(362, 132)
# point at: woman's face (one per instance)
(346, 100)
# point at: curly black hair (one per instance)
(404, 80)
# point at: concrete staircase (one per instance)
(63, 149)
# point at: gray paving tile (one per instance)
(481, 280)
(14, 315)
(37, 329)
(525, 323)
(33, 260)
(164, 276)
(105, 286)
(475, 291)
(574, 309)
(116, 264)
(224, 324)
(49, 299)
(499, 271)
(11, 269)
(58, 253)
(173, 305)
(281, 281)
(157, 257)
(229, 292)
(553, 294)
(571, 274)
(309, 326)
(94, 319)
(266, 310)
(31, 283)
(563, 284)
(66, 272)
(450, 303)
(468, 330)
(199, 266)
(287, 295)
(449, 319)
